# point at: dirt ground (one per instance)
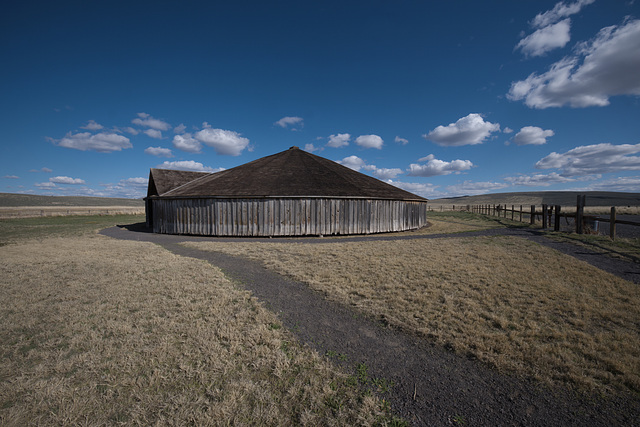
(431, 385)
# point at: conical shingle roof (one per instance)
(291, 173)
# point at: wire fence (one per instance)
(551, 216)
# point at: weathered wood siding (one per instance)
(285, 216)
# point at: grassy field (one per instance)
(96, 331)
(520, 307)
(20, 229)
(28, 206)
(19, 200)
(600, 200)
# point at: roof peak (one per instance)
(291, 173)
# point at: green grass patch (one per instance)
(619, 248)
(17, 229)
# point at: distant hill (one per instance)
(8, 200)
(562, 198)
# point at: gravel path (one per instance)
(432, 386)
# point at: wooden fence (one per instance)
(550, 216)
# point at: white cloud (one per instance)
(153, 133)
(383, 173)
(352, 162)
(45, 185)
(11, 177)
(469, 130)
(294, 122)
(356, 163)
(542, 180)
(435, 167)
(421, 189)
(532, 135)
(133, 188)
(560, 10)
(470, 188)
(66, 180)
(401, 140)
(507, 130)
(339, 140)
(310, 148)
(546, 39)
(604, 67)
(92, 125)
(188, 165)
(187, 143)
(158, 151)
(629, 184)
(593, 159)
(101, 142)
(180, 128)
(146, 120)
(135, 182)
(370, 141)
(130, 130)
(224, 142)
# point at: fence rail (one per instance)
(550, 216)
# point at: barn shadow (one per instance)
(138, 227)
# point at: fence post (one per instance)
(520, 213)
(556, 222)
(533, 214)
(580, 214)
(612, 223)
(544, 216)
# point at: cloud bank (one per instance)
(599, 69)
(102, 142)
(593, 159)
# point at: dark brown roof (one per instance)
(291, 173)
(163, 180)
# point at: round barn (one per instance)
(292, 193)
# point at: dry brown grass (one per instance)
(95, 331)
(456, 223)
(509, 302)
(43, 211)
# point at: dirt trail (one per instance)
(432, 386)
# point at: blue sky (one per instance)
(441, 98)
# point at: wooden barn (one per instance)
(292, 193)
